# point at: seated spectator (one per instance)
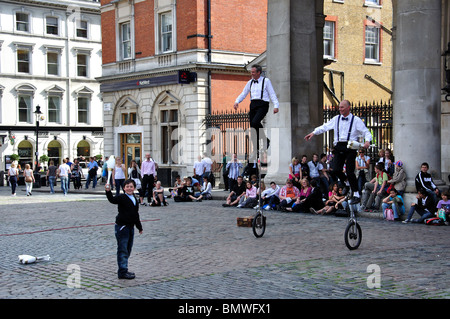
(295, 172)
(334, 202)
(254, 180)
(205, 191)
(388, 160)
(186, 193)
(195, 183)
(176, 187)
(314, 200)
(249, 200)
(237, 191)
(443, 207)
(425, 207)
(375, 189)
(269, 196)
(362, 163)
(288, 195)
(399, 178)
(424, 180)
(158, 195)
(315, 172)
(304, 167)
(305, 189)
(395, 202)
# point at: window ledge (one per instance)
(369, 62)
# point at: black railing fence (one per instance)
(230, 131)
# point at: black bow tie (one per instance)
(345, 118)
(255, 81)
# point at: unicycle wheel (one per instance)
(259, 225)
(353, 235)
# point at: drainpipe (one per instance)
(209, 53)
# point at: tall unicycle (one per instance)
(353, 233)
(259, 220)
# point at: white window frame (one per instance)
(80, 27)
(47, 25)
(19, 61)
(58, 62)
(126, 43)
(166, 10)
(20, 22)
(374, 44)
(56, 110)
(28, 109)
(87, 111)
(86, 65)
(331, 40)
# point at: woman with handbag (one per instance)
(29, 179)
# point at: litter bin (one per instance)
(37, 180)
(2, 178)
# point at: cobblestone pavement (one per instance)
(196, 250)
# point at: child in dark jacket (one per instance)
(126, 219)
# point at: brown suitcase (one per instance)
(245, 221)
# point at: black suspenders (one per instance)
(349, 130)
(262, 88)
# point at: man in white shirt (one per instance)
(347, 127)
(63, 173)
(261, 92)
(199, 168)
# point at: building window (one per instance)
(52, 25)
(129, 118)
(373, 2)
(24, 108)
(22, 22)
(165, 34)
(54, 109)
(125, 41)
(23, 60)
(169, 125)
(82, 29)
(83, 110)
(82, 67)
(52, 63)
(372, 47)
(329, 39)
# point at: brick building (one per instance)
(147, 44)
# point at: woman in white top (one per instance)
(205, 190)
(13, 173)
(119, 175)
(29, 179)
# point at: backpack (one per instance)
(434, 221)
(388, 214)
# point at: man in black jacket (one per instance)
(126, 219)
(424, 181)
(425, 207)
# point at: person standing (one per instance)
(261, 92)
(347, 127)
(126, 219)
(13, 174)
(92, 172)
(63, 173)
(51, 176)
(119, 175)
(29, 178)
(148, 173)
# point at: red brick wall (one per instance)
(144, 28)
(108, 36)
(225, 88)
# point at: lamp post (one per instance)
(37, 114)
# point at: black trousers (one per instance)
(147, 186)
(258, 110)
(345, 156)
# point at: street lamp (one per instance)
(37, 115)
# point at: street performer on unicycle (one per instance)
(261, 93)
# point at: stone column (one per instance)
(416, 82)
(295, 67)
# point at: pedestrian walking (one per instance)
(148, 173)
(347, 127)
(51, 176)
(126, 219)
(13, 174)
(261, 93)
(29, 179)
(63, 173)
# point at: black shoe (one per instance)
(355, 200)
(225, 205)
(127, 275)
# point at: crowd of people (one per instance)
(313, 187)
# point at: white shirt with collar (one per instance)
(255, 91)
(358, 129)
